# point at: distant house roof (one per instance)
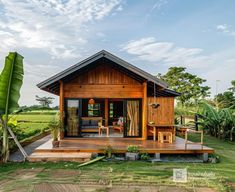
(53, 81)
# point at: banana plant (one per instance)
(218, 123)
(11, 80)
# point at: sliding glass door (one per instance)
(132, 111)
(72, 117)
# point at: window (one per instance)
(111, 110)
(94, 110)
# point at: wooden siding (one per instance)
(102, 82)
(104, 74)
(164, 114)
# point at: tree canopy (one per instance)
(190, 86)
(226, 99)
(44, 101)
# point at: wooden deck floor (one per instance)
(120, 145)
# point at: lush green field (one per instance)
(218, 176)
(31, 124)
(36, 118)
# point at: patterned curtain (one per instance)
(133, 117)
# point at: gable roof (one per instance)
(99, 55)
(52, 84)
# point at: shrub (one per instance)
(144, 156)
(133, 149)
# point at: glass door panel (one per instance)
(72, 117)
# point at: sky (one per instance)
(150, 34)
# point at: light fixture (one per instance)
(154, 105)
(91, 101)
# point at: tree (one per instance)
(232, 89)
(44, 101)
(189, 85)
(226, 99)
(11, 80)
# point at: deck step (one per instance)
(59, 156)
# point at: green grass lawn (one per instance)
(217, 176)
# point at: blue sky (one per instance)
(151, 34)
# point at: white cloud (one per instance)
(54, 26)
(216, 66)
(159, 4)
(224, 28)
(168, 53)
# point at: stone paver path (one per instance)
(18, 157)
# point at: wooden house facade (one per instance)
(106, 91)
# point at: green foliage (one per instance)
(55, 126)
(189, 85)
(218, 123)
(226, 99)
(11, 80)
(233, 86)
(133, 149)
(144, 156)
(108, 151)
(27, 127)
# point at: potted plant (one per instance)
(108, 151)
(55, 127)
(132, 153)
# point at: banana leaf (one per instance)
(11, 80)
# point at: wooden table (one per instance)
(104, 128)
(155, 129)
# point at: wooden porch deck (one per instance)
(120, 145)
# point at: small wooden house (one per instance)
(106, 91)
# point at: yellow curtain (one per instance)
(133, 116)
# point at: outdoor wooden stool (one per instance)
(165, 137)
(101, 128)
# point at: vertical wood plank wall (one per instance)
(164, 114)
(102, 82)
(62, 106)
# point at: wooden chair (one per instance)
(118, 127)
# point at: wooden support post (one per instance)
(196, 122)
(106, 111)
(181, 119)
(144, 112)
(62, 107)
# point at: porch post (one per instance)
(106, 111)
(62, 108)
(144, 112)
